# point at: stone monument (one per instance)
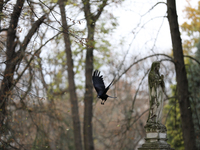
(156, 132)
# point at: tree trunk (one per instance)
(7, 81)
(72, 87)
(1, 8)
(14, 58)
(88, 97)
(181, 78)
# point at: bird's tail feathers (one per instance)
(112, 97)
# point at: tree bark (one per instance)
(88, 97)
(1, 8)
(10, 62)
(181, 78)
(72, 87)
(13, 58)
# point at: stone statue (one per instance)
(156, 93)
(156, 132)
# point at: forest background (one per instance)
(49, 50)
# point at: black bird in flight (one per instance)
(100, 86)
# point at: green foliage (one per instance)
(194, 86)
(40, 142)
(191, 27)
(68, 2)
(66, 140)
(173, 123)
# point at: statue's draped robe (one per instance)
(156, 94)
(160, 95)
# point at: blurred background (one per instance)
(48, 51)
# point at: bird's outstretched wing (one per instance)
(98, 82)
(107, 88)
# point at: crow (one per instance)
(100, 86)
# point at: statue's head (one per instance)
(155, 66)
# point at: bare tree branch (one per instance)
(192, 58)
(134, 63)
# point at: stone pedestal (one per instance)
(156, 137)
